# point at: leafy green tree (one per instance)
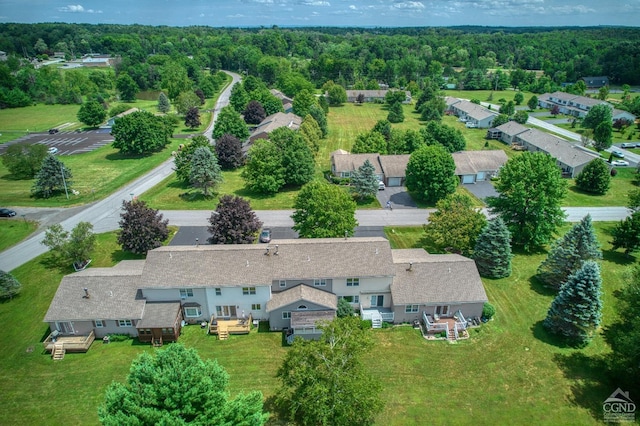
(311, 133)
(531, 190)
(52, 178)
(532, 103)
(164, 106)
(205, 171)
(500, 120)
(433, 109)
(569, 253)
(634, 200)
(73, 247)
(233, 222)
(492, 251)
(603, 136)
(297, 158)
(325, 382)
(320, 116)
(92, 113)
(449, 137)
(396, 113)
(175, 79)
(10, 286)
(269, 102)
(229, 152)
(23, 161)
(127, 87)
(518, 98)
(370, 142)
(254, 113)
(509, 108)
(626, 234)
(364, 181)
(182, 159)
(344, 308)
(140, 132)
(521, 117)
(192, 118)
(324, 211)
(239, 98)
(597, 114)
(603, 93)
(141, 227)
(337, 95)
(230, 122)
(455, 225)
(175, 386)
(595, 177)
(185, 101)
(263, 172)
(431, 173)
(576, 312)
(303, 102)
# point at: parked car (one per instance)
(628, 145)
(381, 186)
(265, 236)
(7, 213)
(53, 131)
(619, 163)
(52, 150)
(617, 153)
(471, 125)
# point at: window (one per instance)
(345, 174)
(256, 307)
(99, 323)
(125, 323)
(320, 282)
(283, 283)
(302, 308)
(351, 299)
(248, 290)
(167, 331)
(226, 311)
(286, 315)
(353, 282)
(411, 309)
(143, 331)
(442, 310)
(218, 292)
(377, 300)
(186, 292)
(192, 312)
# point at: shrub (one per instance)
(614, 172)
(119, 337)
(488, 310)
(365, 324)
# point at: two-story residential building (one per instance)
(579, 106)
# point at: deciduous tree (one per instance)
(500, 120)
(10, 286)
(205, 171)
(229, 152)
(455, 225)
(603, 136)
(233, 222)
(263, 172)
(192, 118)
(254, 113)
(396, 113)
(337, 95)
(175, 386)
(597, 114)
(303, 102)
(323, 210)
(431, 173)
(92, 113)
(296, 156)
(364, 181)
(127, 87)
(575, 313)
(52, 178)
(185, 101)
(449, 137)
(325, 382)
(492, 251)
(626, 234)
(370, 142)
(311, 133)
(141, 227)
(230, 122)
(239, 98)
(140, 132)
(531, 190)
(320, 116)
(70, 248)
(532, 103)
(518, 98)
(569, 253)
(595, 177)
(182, 159)
(23, 161)
(521, 117)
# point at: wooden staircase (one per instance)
(58, 351)
(223, 333)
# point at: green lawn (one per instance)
(12, 231)
(509, 372)
(617, 195)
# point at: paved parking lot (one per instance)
(68, 143)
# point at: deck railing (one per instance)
(232, 326)
(72, 343)
(432, 325)
(367, 314)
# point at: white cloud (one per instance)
(77, 8)
(415, 5)
(316, 3)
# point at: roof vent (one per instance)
(247, 263)
(276, 252)
(86, 293)
(376, 250)
(197, 242)
(410, 266)
(266, 252)
(308, 258)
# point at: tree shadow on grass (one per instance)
(277, 413)
(575, 189)
(541, 288)
(542, 334)
(591, 382)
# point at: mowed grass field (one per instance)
(509, 372)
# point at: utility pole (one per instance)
(64, 182)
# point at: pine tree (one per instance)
(53, 177)
(569, 253)
(205, 171)
(9, 285)
(163, 103)
(492, 252)
(365, 181)
(575, 313)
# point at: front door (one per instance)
(442, 311)
(226, 311)
(377, 301)
(65, 327)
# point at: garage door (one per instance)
(395, 181)
(480, 176)
(468, 179)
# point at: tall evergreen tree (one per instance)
(10, 286)
(52, 178)
(205, 171)
(575, 313)
(320, 116)
(364, 180)
(182, 159)
(492, 252)
(396, 114)
(568, 254)
(164, 105)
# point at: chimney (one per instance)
(86, 293)
(276, 252)
(267, 251)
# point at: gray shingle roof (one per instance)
(442, 278)
(112, 295)
(350, 162)
(477, 112)
(302, 292)
(472, 162)
(242, 265)
(563, 151)
(275, 121)
(394, 165)
(512, 128)
(159, 315)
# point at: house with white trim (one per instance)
(473, 114)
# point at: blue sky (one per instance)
(386, 13)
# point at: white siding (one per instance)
(232, 296)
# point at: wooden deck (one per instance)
(224, 327)
(69, 343)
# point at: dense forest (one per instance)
(470, 57)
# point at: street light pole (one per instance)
(64, 182)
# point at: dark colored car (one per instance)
(265, 236)
(7, 213)
(53, 131)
